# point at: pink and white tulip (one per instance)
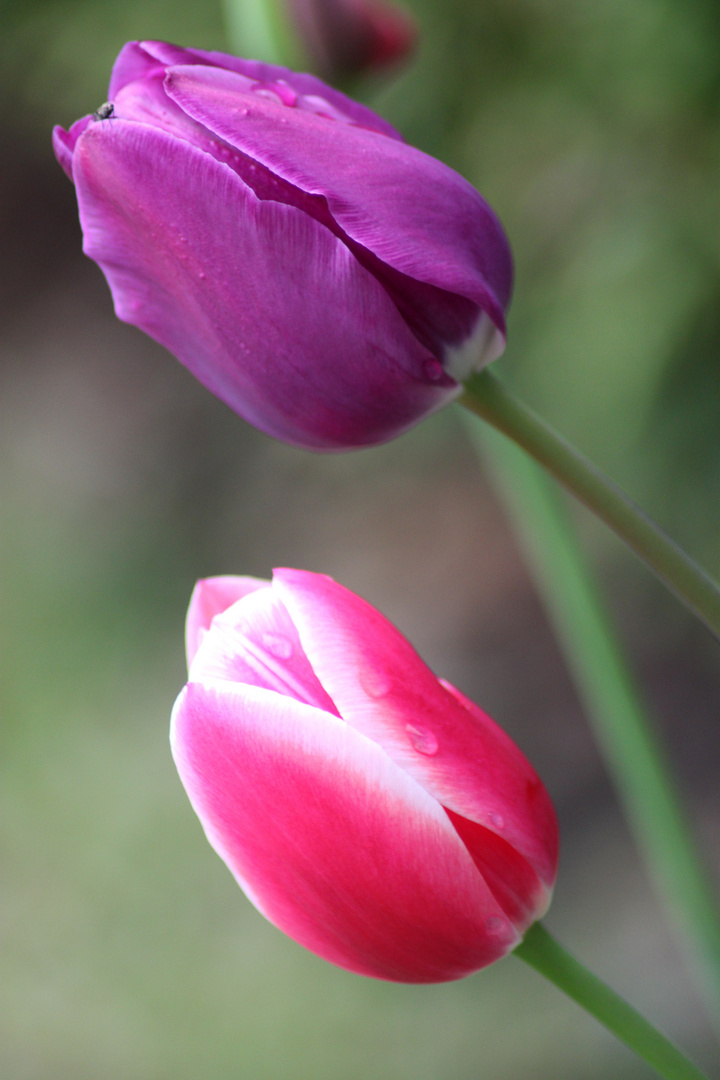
(366, 807)
(330, 283)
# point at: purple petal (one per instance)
(262, 303)
(305, 84)
(133, 64)
(63, 149)
(64, 142)
(411, 211)
(437, 318)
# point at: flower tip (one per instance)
(62, 145)
(289, 576)
(210, 597)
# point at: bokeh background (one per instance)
(127, 950)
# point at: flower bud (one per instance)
(330, 283)
(366, 807)
(346, 37)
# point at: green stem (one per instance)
(542, 952)
(261, 29)
(612, 701)
(489, 399)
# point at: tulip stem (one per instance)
(613, 703)
(542, 952)
(486, 396)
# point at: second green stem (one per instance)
(486, 396)
(612, 700)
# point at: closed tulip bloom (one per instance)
(329, 282)
(366, 807)
(346, 37)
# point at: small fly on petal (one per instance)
(104, 112)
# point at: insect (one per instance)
(104, 112)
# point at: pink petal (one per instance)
(414, 213)
(330, 840)
(210, 597)
(451, 747)
(256, 298)
(255, 642)
(540, 843)
(510, 878)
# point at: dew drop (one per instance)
(278, 645)
(422, 739)
(434, 370)
(494, 924)
(497, 821)
(201, 275)
(375, 683)
(268, 93)
(286, 92)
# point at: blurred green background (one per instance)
(127, 950)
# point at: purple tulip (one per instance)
(330, 283)
(366, 807)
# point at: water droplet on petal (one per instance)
(375, 683)
(422, 739)
(497, 821)
(285, 92)
(494, 924)
(278, 645)
(434, 370)
(279, 93)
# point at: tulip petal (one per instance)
(210, 597)
(64, 142)
(451, 747)
(410, 210)
(510, 878)
(445, 324)
(134, 62)
(262, 303)
(254, 642)
(130, 66)
(330, 840)
(63, 149)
